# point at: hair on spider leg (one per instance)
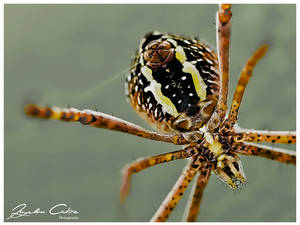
(95, 107)
(264, 127)
(213, 22)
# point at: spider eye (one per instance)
(230, 170)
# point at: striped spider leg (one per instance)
(193, 206)
(100, 120)
(245, 135)
(177, 191)
(180, 85)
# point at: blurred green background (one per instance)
(71, 55)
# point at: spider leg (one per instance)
(102, 120)
(144, 163)
(242, 83)
(281, 155)
(177, 191)
(223, 19)
(193, 206)
(281, 137)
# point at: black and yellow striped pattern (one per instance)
(177, 92)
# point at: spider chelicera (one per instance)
(180, 86)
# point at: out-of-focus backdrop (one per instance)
(73, 55)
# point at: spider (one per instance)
(180, 86)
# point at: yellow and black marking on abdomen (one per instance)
(174, 82)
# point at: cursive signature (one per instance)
(19, 211)
(59, 209)
(62, 209)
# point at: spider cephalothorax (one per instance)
(174, 82)
(180, 86)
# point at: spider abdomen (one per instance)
(174, 82)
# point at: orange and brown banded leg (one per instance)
(281, 155)
(242, 83)
(223, 26)
(144, 163)
(193, 206)
(280, 137)
(170, 202)
(101, 120)
(68, 115)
